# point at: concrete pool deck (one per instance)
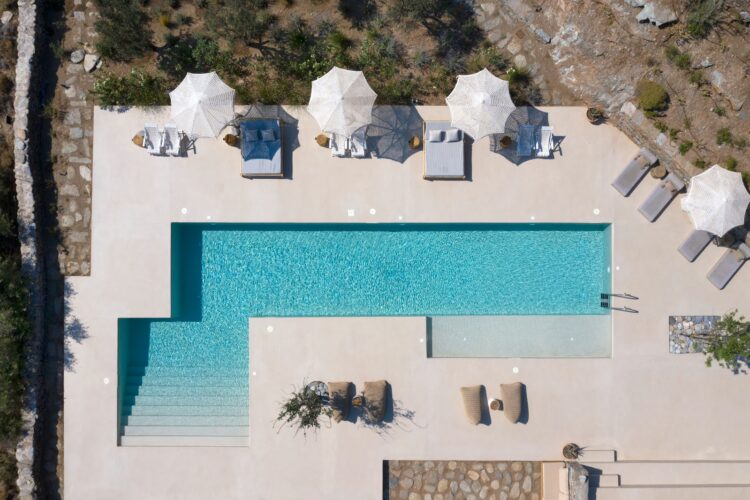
(643, 402)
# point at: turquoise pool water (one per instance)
(223, 274)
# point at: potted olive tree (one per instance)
(594, 115)
(303, 410)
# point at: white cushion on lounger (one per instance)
(252, 134)
(267, 134)
(435, 136)
(452, 135)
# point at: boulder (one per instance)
(657, 14)
(90, 61)
(77, 56)
(6, 17)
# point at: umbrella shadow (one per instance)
(391, 131)
(506, 144)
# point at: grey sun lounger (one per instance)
(629, 178)
(692, 247)
(660, 197)
(443, 159)
(728, 265)
(262, 148)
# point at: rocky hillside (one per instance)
(600, 53)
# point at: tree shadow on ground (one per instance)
(75, 331)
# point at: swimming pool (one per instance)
(222, 274)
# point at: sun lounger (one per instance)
(511, 394)
(338, 145)
(472, 397)
(443, 151)
(692, 247)
(340, 399)
(358, 143)
(728, 265)
(660, 197)
(261, 144)
(152, 139)
(544, 142)
(629, 178)
(375, 394)
(171, 140)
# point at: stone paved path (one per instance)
(72, 142)
(462, 480)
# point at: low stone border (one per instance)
(682, 327)
(31, 263)
(444, 480)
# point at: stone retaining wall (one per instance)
(462, 480)
(31, 262)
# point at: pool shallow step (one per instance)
(185, 390)
(194, 381)
(185, 420)
(188, 371)
(184, 400)
(164, 410)
(184, 441)
(186, 430)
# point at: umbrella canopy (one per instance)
(341, 101)
(202, 104)
(391, 130)
(717, 200)
(480, 104)
(521, 116)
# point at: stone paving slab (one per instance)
(457, 480)
(681, 328)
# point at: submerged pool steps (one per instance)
(185, 406)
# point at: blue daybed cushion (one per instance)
(252, 134)
(267, 135)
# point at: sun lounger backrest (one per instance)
(511, 394)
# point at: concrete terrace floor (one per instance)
(643, 402)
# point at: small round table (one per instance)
(659, 172)
(322, 140)
(319, 388)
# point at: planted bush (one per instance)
(702, 16)
(123, 30)
(723, 136)
(137, 88)
(652, 97)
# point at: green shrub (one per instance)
(698, 162)
(137, 88)
(197, 55)
(357, 12)
(652, 96)
(488, 57)
(685, 146)
(660, 126)
(719, 110)
(241, 21)
(674, 133)
(8, 473)
(702, 16)
(739, 142)
(731, 163)
(723, 136)
(123, 30)
(696, 77)
(679, 59)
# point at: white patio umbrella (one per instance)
(341, 101)
(480, 104)
(716, 200)
(202, 104)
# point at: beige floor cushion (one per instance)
(472, 397)
(511, 394)
(375, 394)
(340, 399)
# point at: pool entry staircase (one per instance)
(184, 406)
(182, 399)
